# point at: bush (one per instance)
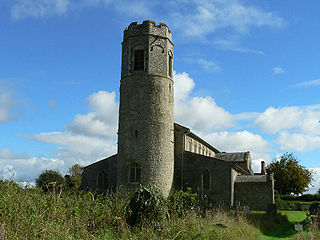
(49, 180)
(145, 204)
(181, 202)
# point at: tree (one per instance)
(73, 179)
(290, 177)
(49, 179)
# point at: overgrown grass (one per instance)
(33, 214)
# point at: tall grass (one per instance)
(33, 214)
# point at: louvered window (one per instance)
(170, 66)
(138, 60)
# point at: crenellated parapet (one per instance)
(147, 28)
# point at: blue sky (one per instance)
(246, 78)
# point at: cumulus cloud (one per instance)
(38, 8)
(298, 142)
(242, 141)
(199, 113)
(79, 145)
(20, 166)
(277, 70)
(273, 120)
(103, 118)
(203, 116)
(304, 119)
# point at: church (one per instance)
(155, 151)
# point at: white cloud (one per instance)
(208, 16)
(38, 8)
(103, 118)
(20, 166)
(277, 70)
(316, 180)
(311, 83)
(304, 119)
(242, 141)
(193, 18)
(238, 141)
(77, 144)
(273, 120)
(199, 113)
(183, 85)
(298, 142)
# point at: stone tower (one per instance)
(146, 130)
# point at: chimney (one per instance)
(263, 168)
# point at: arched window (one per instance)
(135, 172)
(103, 180)
(206, 180)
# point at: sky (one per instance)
(247, 78)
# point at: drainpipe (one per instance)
(182, 153)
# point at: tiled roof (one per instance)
(232, 157)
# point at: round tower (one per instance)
(146, 130)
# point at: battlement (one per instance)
(147, 28)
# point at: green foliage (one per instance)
(181, 202)
(146, 204)
(303, 197)
(73, 179)
(290, 177)
(50, 180)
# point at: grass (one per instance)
(280, 226)
(33, 214)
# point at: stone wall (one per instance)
(221, 177)
(89, 178)
(256, 195)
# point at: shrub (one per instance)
(181, 202)
(145, 204)
(49, 179)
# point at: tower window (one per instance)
(206, 180)
(135, 172)
(170, 65)
(138, 64)
(103, 180)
